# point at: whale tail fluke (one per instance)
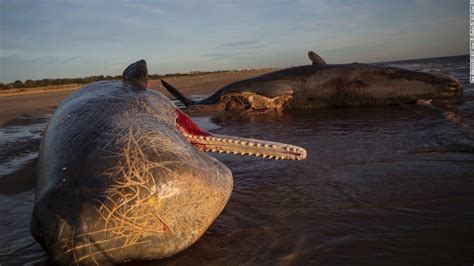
(177, 94)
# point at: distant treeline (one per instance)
(66, 81)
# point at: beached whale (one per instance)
(122, 175)
(326, 85)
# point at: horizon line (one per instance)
(213, 70)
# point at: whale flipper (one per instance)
(137, 73)
(315, 58)
(177, 94)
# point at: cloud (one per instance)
(230, 55)
(241, 43)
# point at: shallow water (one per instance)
(18, 142)
(380, 185)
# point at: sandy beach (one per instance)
(40, 103)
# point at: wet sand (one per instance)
(389, 186)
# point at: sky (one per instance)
(56, 39)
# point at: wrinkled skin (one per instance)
(323, 85)
(122, 175)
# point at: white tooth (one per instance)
(227, 151)
(259, 145)
(270, 157)
(267, 146)
(218, 139)
(201, 137)
(214, 150)
(221, 151)
(251, 143)
(251, 153)
(243, 142)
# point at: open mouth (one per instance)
(454, 87)
(209, 142)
